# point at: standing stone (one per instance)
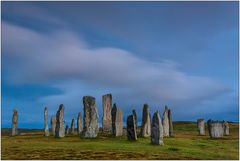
(66, 130)
(201, 126)
(90, 129)
(117, 121)
(165, 122)
(53, 124)
(107, 117)
(146, 122)
(79, 123)
(72, 127)
(157, 129)
(215, 128)
(46, 130)
(60, 129)
(15, 123)
(131, 128)
(226, 128)
(135, 117)
(170, 123)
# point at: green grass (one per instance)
(185, 144)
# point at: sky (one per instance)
(180, 54)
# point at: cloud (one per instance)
(64, 56)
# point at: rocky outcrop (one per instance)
(90, 129)
(226, 128)
(135, 117)
(201, 126)
(72, 130)
(165, 122)
(15, 123)
(131, 128)
(46, 130)
(107, 117)
(146, 122)
(157, 129)
(53, 124)
(60, 129)
(79, 123)
(117, 121)
(215, 128)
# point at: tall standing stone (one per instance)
(117, 121)
(66, 130)
(170, 122)
(60, 129)
(131, 128)
(72, 127)
(53, 124)
(157, 129)
(90, 129)
(165, 122)
(135, 117)
(201, 126)
(226, 128)
(15, 122)
(215, 128)
(79, 123)
(46, 130)
(146, 122)
(107, 117)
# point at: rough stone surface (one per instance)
(117, 121)
(201, 126)
(146, 122)
(165, 122)
(170, 122)
(107, 117)
(46, 130)
(66, 130)
(90, 129)
(131, 128)
(215, 128)
(72, 131)
(60, 129)
(135, 117)
(53, 124)
(79, 123)
(15, 123)
(157, 129)
(226, 128)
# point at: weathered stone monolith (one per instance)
(226, 128)
(46, 130)
(15, 122)
(157, 129)
(135, 117)
(79, 123)
(131, 128)
(72, 131)
(107, 117)
(170, 122)
(117, 121)
(90, 129)
(215, 128)
(53, 124)
(165, 122)
(201, 126)
(60, 129)
(66, 130)
(146, 122)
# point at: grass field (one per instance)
(185, 144)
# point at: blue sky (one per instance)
(180, 54)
